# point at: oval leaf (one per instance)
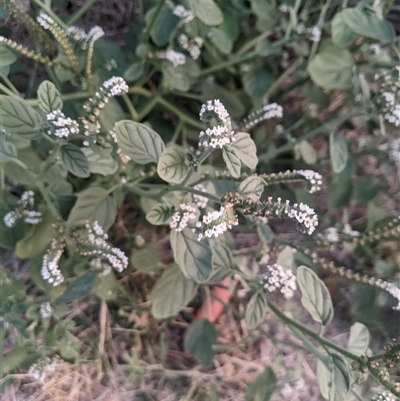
(246, 149)
(332, 68)
(252, 186)
(49, 97)
(94, 204)
(256, 309)
(100, 159)
(139, 142)
(74, 160)
(257, 83)
(147, 260)
(18, 118)
(338, 152)
(207, 11)
(159, 214)
(232, 161)
(342, 34)
(172, 165)
(199, 340)
(315, 296)
(192, 256)
(359, 339)
(172, 292)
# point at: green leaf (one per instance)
(94, 204)
(110, 115)
(307, 152)
(139, 142)
(176, 77)
(252, 186)
(172, 292)
(359, 339)
(368, 24)
(199, 340)
(159, 214)
(192, 256)
(100, 159)
(221, 41)
(338, 152)
(172, 165)
(263, 387)
(78, 289)
(206, 11)
(246, 150)
(222, 257)
(339, 194)
(18, 118)
(286, 258)
(232, 160)
(105, 287)
(332, 68)
(256, 83)
(316, 95)
(264, 47)
(74, 160)
(342, 34)
(134, 71)
(263, 9)
(39, 237)
(49, 97)
(365, 190)
(147, 260)
(163, 27)
(7, 57)
(8, 150)
(315, 296)
(256, 309)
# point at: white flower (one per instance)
(114, 86)
(314, 179)
(304, 215)
(394, 150)
(10, 219)
(61, 126)
(214, 108)
(385, 396)
(26, 201)
(181, 218)
(392, 108)
(201, 201)
(267, 112)
(45, 310)
(50, 271)
(331, 234)
(139, 241)
(300, 29)
(176, 58)
(347, 230)
(278, 278)
(111, 64)
(43, 368)
(182, 13)
(95, 33)
(314, 33)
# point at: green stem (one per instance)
(290, 145)
(320, 23)
(10, 84)
(47, 199)
(153, 20)
(81, 12)
(183, 188)
(148, 107)
(176, 133)
(310, 333)
(252, 43)
(131, 108)
(9, 92)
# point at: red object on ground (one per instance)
(212, 306)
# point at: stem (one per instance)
(253, 42)
(131, 108)
(46, 197)
(320, 23)
(153, 20)
(290, 145)
(310, 333)
(148, 108)
(50, 12)
(10, 84)
(9, 92)
(176, 133)
(80, 12)
(181, 187)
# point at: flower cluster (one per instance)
(176, 58)
(92, 241)
(392, 108)
(394, 150)
(182, 13)
(22, 211)
(114, 86)
(181, 218)
(314, 179)
(390, 95)
(267, 112)
(314, 33)
(43, 368)
(50, 271)
(304, 216)
(221, 134)
(201, 201)
(278, 278)
(60, 126)
(331, 234)
(94, 34)
(45, 310)
(385, 396)
(193, 46)
(392, 289)
(78, 35)
(99, 265)
(216, 222)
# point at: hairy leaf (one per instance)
(49, 97)
(74, 160)
(172, 165)
(232, 160)
(246, 149)
(256, 309)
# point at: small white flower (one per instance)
(10, 219)
(201, 201)
(61, 126)
(176, 58)
(314, 179)
(43, 368)
(182, 217)
(314, 33)
(394, 150)
(267, 112)
(347, 230)
(45, 310)
(139, 241)
(278, 278)
(182, 13)
(385, 396)
(331, 234)
(283, 8)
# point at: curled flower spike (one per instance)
(278, 278)
(92, 241)
(176, 58)
(214, 108)
(182, 13)
(305, 216)
(193, 46)
(385, 396)
(267, 112)
(50, 271)
(181, 218)
(61, 126)
(22, 211)
(45, 310)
